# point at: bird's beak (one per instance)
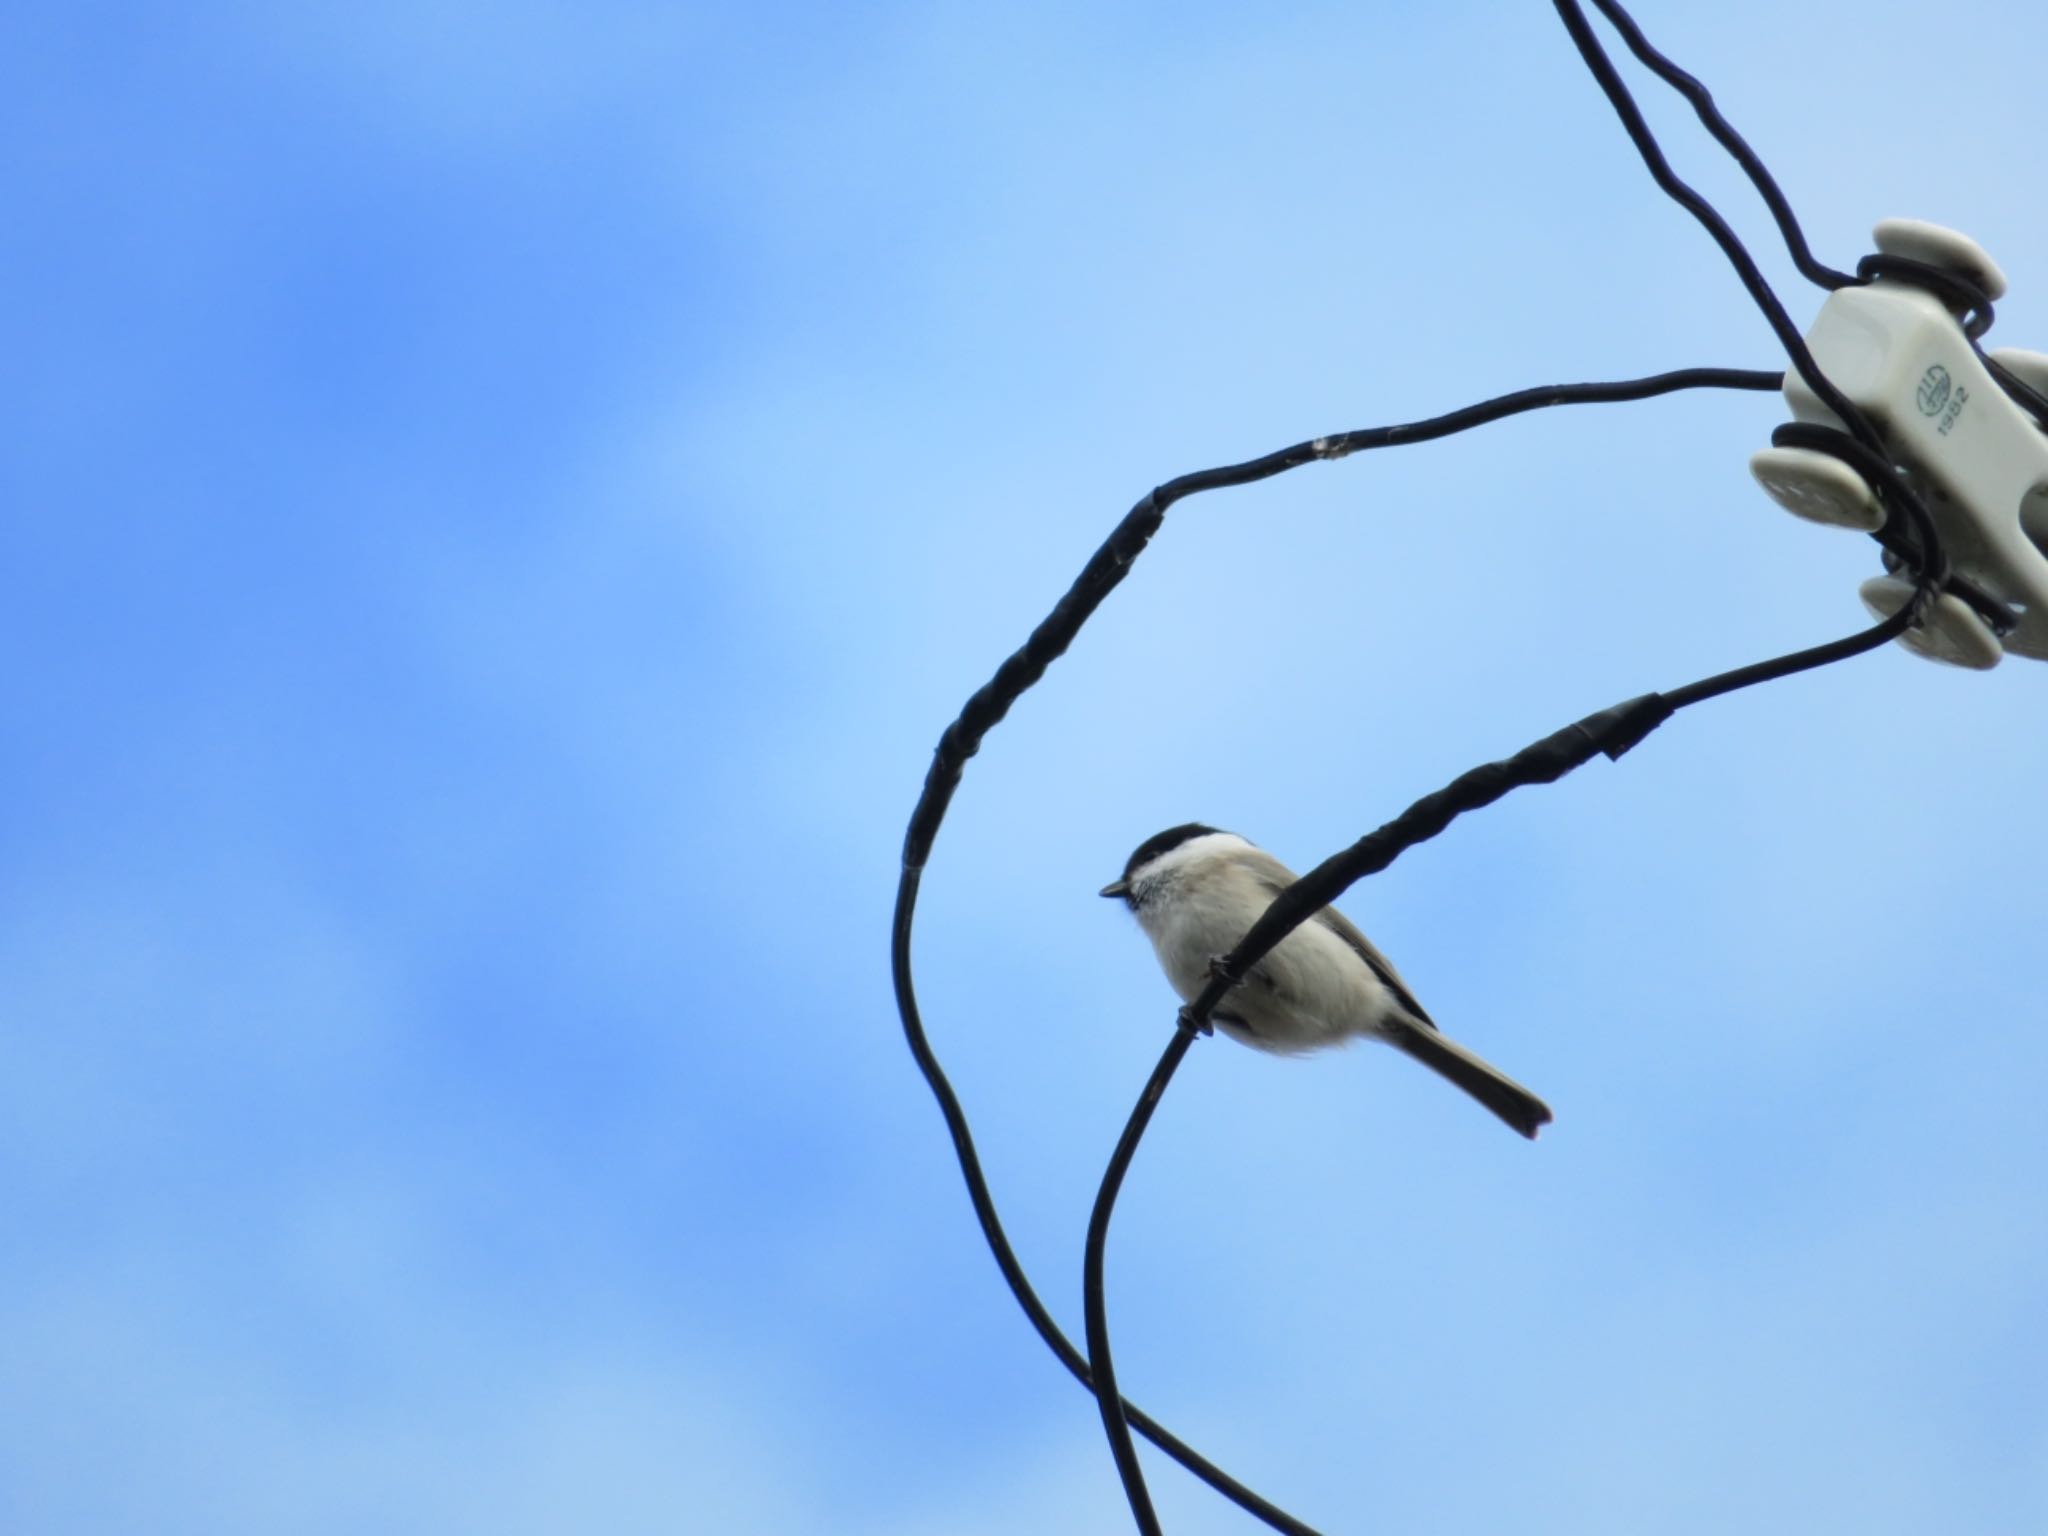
(1115, 888)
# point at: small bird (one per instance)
(1197, 891)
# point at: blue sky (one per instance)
(500, 502)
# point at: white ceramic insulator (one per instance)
(1818, 487)
(1938, 246)
(1979, 462)
(1948, 631)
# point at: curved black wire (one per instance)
(1613, 731)
(2024, 395)
(1686, 197)
(1897, 492)
(1969, 297)
(1954, 289)
(1616, 729)
(985, 709)
(1973, 308)
(1108, 1401)
(1710, 117)
(1900, 533)
(1006, 1258)
(1105, 569)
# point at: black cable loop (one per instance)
(1900, 503)
(1891, 486)
(1613, 731)
(1760, 291)
(2023, 394)
(1972, 304)
(1918, 549)
(1968, 299)
(1094, 1301)
(1107, 567)
(1724, 132)
(1006, 1258)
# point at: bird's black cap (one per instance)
(1151, 848)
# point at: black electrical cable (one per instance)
(2024, 395)
(1974, 302)
(1613, 731)
(1710, 116)
(1104, 570)
(1095, 1308)
(1968, 298)
(1108, 565)
(1967, 295)
(1907, 516)
(1679, 192)
(1971, 303)
(1006, 1258)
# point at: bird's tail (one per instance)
(1448, 1059)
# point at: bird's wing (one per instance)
(1382, 967)
(1276, 877)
